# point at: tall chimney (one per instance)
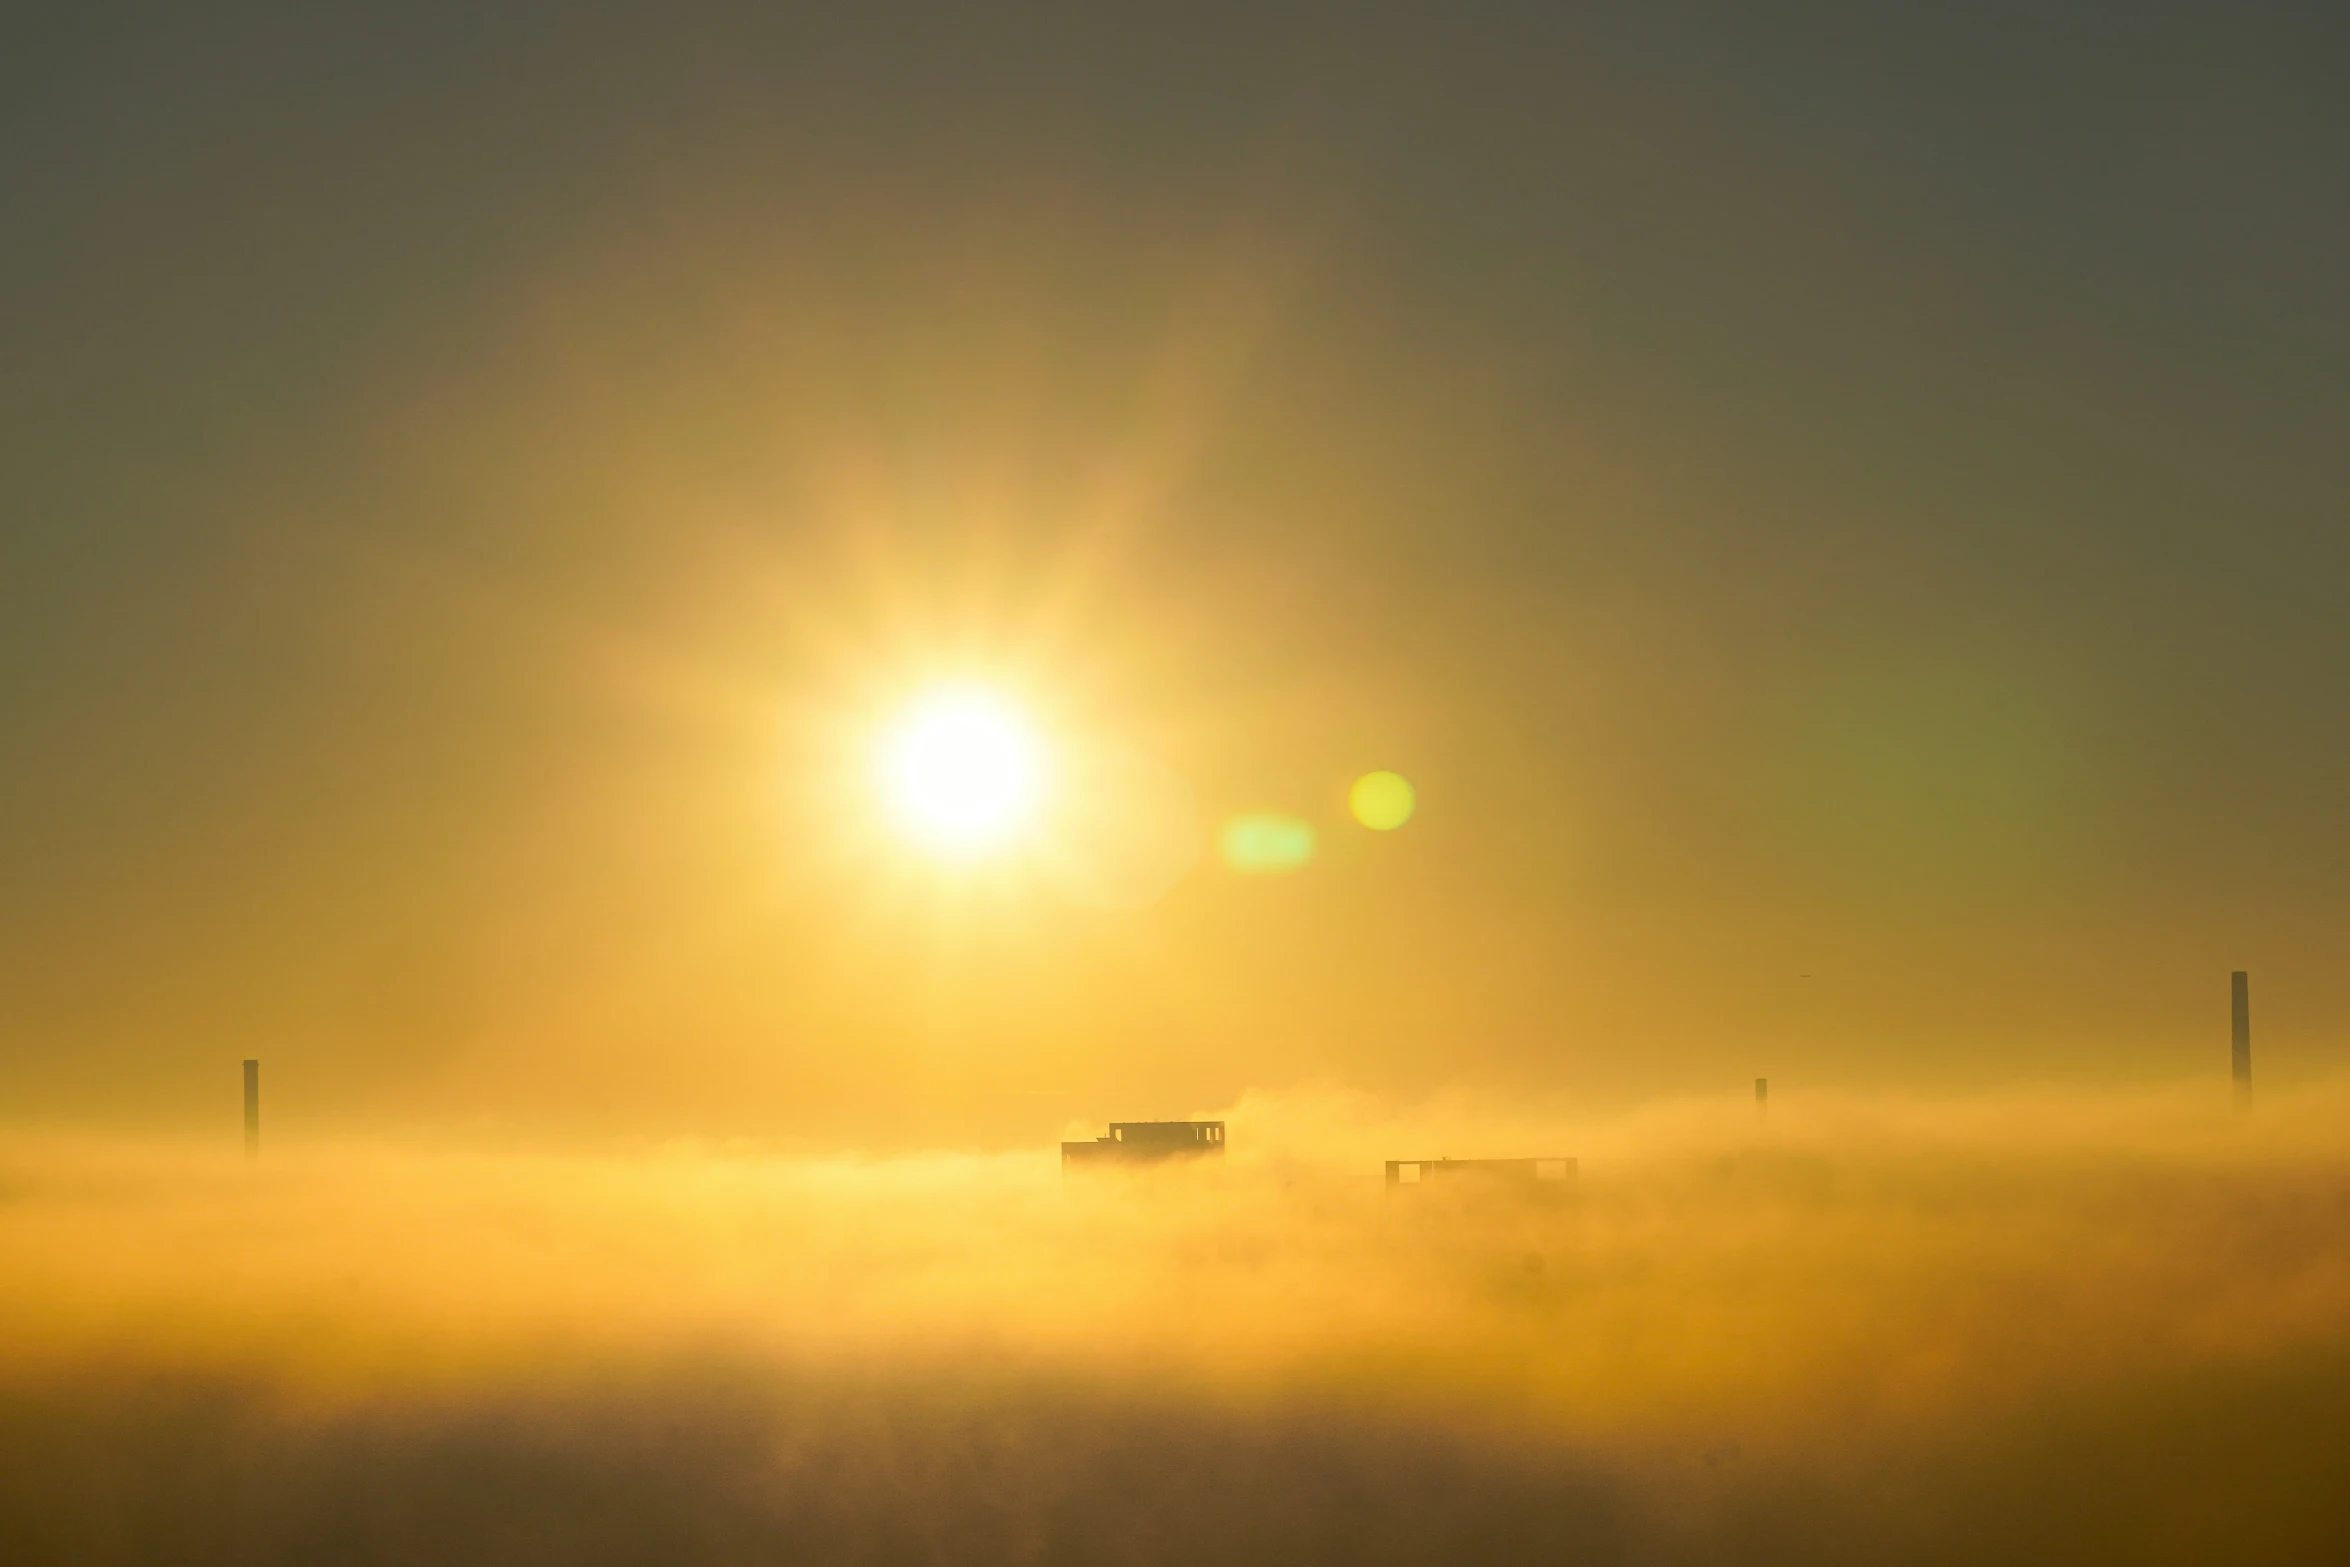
(1762, 1093)
(252, 1108)
(2240, 1033)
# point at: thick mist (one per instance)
(2033, 1327)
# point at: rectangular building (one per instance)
(1146, 1142)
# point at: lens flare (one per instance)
(1266, 845)
(1382, 801)
(962, 773)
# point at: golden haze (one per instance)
(1721, 1315)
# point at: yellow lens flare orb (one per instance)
(962, 773)
(1382, 801)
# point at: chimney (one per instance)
(2240, 1033)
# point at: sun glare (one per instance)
(962, 772)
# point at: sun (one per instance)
(962, 772)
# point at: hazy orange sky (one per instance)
(1841, 520)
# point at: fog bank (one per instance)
(2039, 1326)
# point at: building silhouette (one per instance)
(1506, 1172)
(1145, 1142)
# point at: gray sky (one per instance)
(1838, 492)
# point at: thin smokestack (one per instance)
(2240, 1033)
(1762, 1094)
(252, 1108)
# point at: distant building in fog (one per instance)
(1512, 1172)
(1146, 1142)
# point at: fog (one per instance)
(2018, 1327)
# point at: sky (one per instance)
(1836, 511)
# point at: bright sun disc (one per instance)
(962, 772)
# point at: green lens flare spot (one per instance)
(1265, 845)
(1382, 801)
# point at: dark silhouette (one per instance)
(2240, 1033)
(1146, 1142)
(252, 1108)
(1528, 1172)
